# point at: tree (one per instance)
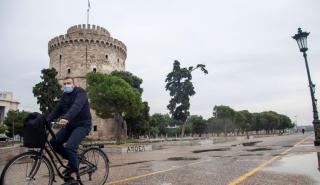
(270, 121)
(244, 121)
(285, 122)
(137, 125)
(199, 125)
(227, 115)
(180, 86)
(159, 122)
(3, 128)
(48, 91)
(240, 121)
(15, 118)
(131, 79)
(215, 125)
(112, 97)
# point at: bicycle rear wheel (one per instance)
(27, 168)
(94, 167)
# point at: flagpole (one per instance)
(88, 9)
(88, 12)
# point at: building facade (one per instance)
(7, 103)
(85, 48)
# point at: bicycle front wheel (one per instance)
(27, 168)
(94, 167)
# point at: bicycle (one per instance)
(37, 166)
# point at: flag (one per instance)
(89, 4)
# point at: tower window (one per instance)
(118, 60)
(60, 57)
(95, 128)
(94, 70)
(69, 71)
(107, 57)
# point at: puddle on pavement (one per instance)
(305, 145)
(160, 147)
(251, 155)
(251, 143)
(182, 158)
(204, 142)
(219, 156)
(275, 155)
(210, 150)
(304, 164)
(131, 163)
(258, 149)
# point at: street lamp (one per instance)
(301, 38)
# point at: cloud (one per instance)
(246, 45)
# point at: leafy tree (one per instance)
(215, 125)
(239, 121)
(244, 121)
(227, 115)
(47, 91)
(137, 125)
(153, 131)
(131, 79)
(160, 122)
(270, 121)
(15, 118)
(189, 128)
(112, 97)
(173, 132)
(180, 86)
(3, 128)
(199, 125)
(285, 122)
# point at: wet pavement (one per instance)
(222, 163)
(278, 160)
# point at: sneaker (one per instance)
(71, 182)
(66, 175)
(66, 172)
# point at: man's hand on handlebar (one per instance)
(63, 122)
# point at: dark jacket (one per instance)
(72, 106)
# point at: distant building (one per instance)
(7, 103)
(307, 128)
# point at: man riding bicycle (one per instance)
(75, 118)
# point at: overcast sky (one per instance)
(253, 62)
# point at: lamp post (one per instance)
(301, 38)
(13, 128)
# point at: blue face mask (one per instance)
(68, 88)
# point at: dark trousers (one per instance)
(72, 136)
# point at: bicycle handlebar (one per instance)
(48, 127)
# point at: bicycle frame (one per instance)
(52, 155)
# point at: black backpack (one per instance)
(34, 131)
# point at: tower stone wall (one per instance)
(85, 48)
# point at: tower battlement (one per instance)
(88, 28)
(86, 34)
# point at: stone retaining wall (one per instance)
(7, 153)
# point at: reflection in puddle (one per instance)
(131, 163)
(304, 164)
(251, 155)
(210, 150)
(258, 149)
(251, 143)
(182, 158)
